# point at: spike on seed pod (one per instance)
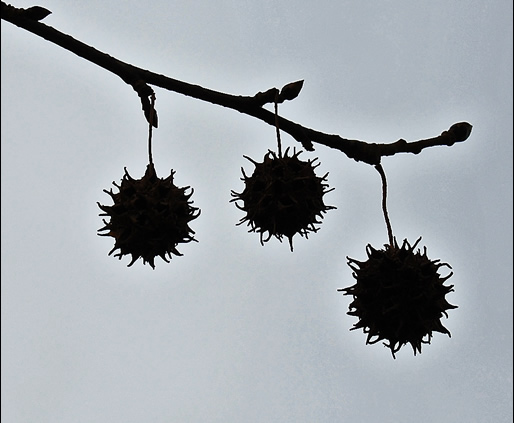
(149, 218)
(283, 197)
(399, 296)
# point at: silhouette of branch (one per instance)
(141, 79)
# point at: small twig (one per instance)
(380, 170)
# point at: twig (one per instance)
(140, 79)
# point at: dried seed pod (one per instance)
(149, 218)
(399, 296)
(283, 197)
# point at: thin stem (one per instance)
(278, 128)
(380, 170)
(152, 112)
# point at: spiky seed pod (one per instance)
(149, 218)
(399, 296)
(283, 197)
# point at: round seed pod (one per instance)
(149, 218)
(399, 296)
(283, 197)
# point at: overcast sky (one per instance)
(233, 331)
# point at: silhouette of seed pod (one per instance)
(149, 218)
(399, 296)
(283, 197)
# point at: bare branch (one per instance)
(140, 79)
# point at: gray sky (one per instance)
(233, 331)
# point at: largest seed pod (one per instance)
(283, 197)
(149, 218)
(399, 296)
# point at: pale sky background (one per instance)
(233, 331)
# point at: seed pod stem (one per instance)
(380, 170)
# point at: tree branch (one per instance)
(141, 79)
